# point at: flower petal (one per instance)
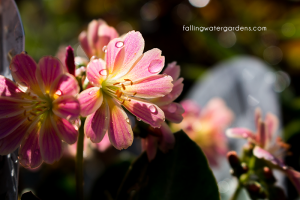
(23, 70)
(173, 70)
(174, 94)
(65, 129)
(12, 141)
(96, 124)
(9, 89)
(104, 144)
(90, 100)
(150, 145)
(49, 68)
(257, 117)
(149, 64)
(49, 141)
(119, 130)
(294, 177)
(10, 124)
(151, 87)
(92, 33)
(67, 107)
(271, 125)
(146, 111)
(263, 154)
(190, 107)
(29, 153)
(167, 141)
(96, 72)
(173, 112)
(261, 134)
(84, 44)
(241, 133)
(65, 84)
(120, 58)
(9, 107)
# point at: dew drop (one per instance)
(93, 58)
(91, 92)
(152, 108)
(104, 49)
(8, 155)
(37, 152)
(119, 44)
(139, 119)
(16, 161)
(172, 108)
(59, 92)
(13, 68)
(12, 172)
(103, 72)
(154, 66)
(127, 120)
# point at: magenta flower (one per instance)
(35, 111)
(267, 145)
(163, 137)
(127, 78)
(207, 127)
(98, 35)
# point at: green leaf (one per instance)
(183, 173)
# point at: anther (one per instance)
(134, 94)
(29, 119)
(119, 94)
(123, 101)
(34, 97)
(24, 112)
(117, 83)
(131, 83)
(123, 86)
(34, 114)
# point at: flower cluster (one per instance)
(40, 109)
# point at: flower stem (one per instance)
(79, 163)
(236, 192)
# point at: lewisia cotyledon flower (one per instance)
(35, 112)
(164, 138)
(126, 79)
(267, 145)
(98, 35)
(206, 127)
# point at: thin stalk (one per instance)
(79, 163)
(236, 192)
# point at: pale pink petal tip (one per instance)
(90, 100)
(172, 70)
(263, 154)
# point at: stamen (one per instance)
(123, 101)
(131, 83)
(134, 94)
(24, 113)
(29, 119)
(117, 83)
(119, 94)
(123, 86)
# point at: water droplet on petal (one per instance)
(59, 92)
(119, 44)
(16, 161)
(139, 119)
(93, 58)
(104, 49)
(172, 108)
(103, 72)
(154, 67)
(8, 155)
(127, 120)
(12, 172)
(91, 92)
(13, 68)
(23, 84)
(37, 152)
(152, 109)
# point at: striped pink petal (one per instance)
(146, 111)
(119, 130)
(10, 124)
(261, 134)
(84, 44)
(173, 112)
(263, 154)
(65, 130)
(49, 142)
(122, 54)
(49, 68)
(151, 87)
(29, 152)
(65, 84)
(105, 33)
(23, 69)
(104, 144)
(241, 133)
(92, 33)
(96, 72)
(9, 89)
(257, 117)
(173, 70)
(167, 140)
(294, 177)
(66, 107)
(90, 100)
(150, 63)
(271, 126)
(9, 107)
(96, 124)
(12, 141)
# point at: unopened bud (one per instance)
(269, 176)
(255, 190)
(70, 60)
(233, 159)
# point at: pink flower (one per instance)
(127, 78)
(35, 111)
(99, 34)
(267, 145)
(206, 128)
(163, 137)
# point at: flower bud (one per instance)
(70, 60)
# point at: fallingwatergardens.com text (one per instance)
(223, 28)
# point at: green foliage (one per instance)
(183, 173)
